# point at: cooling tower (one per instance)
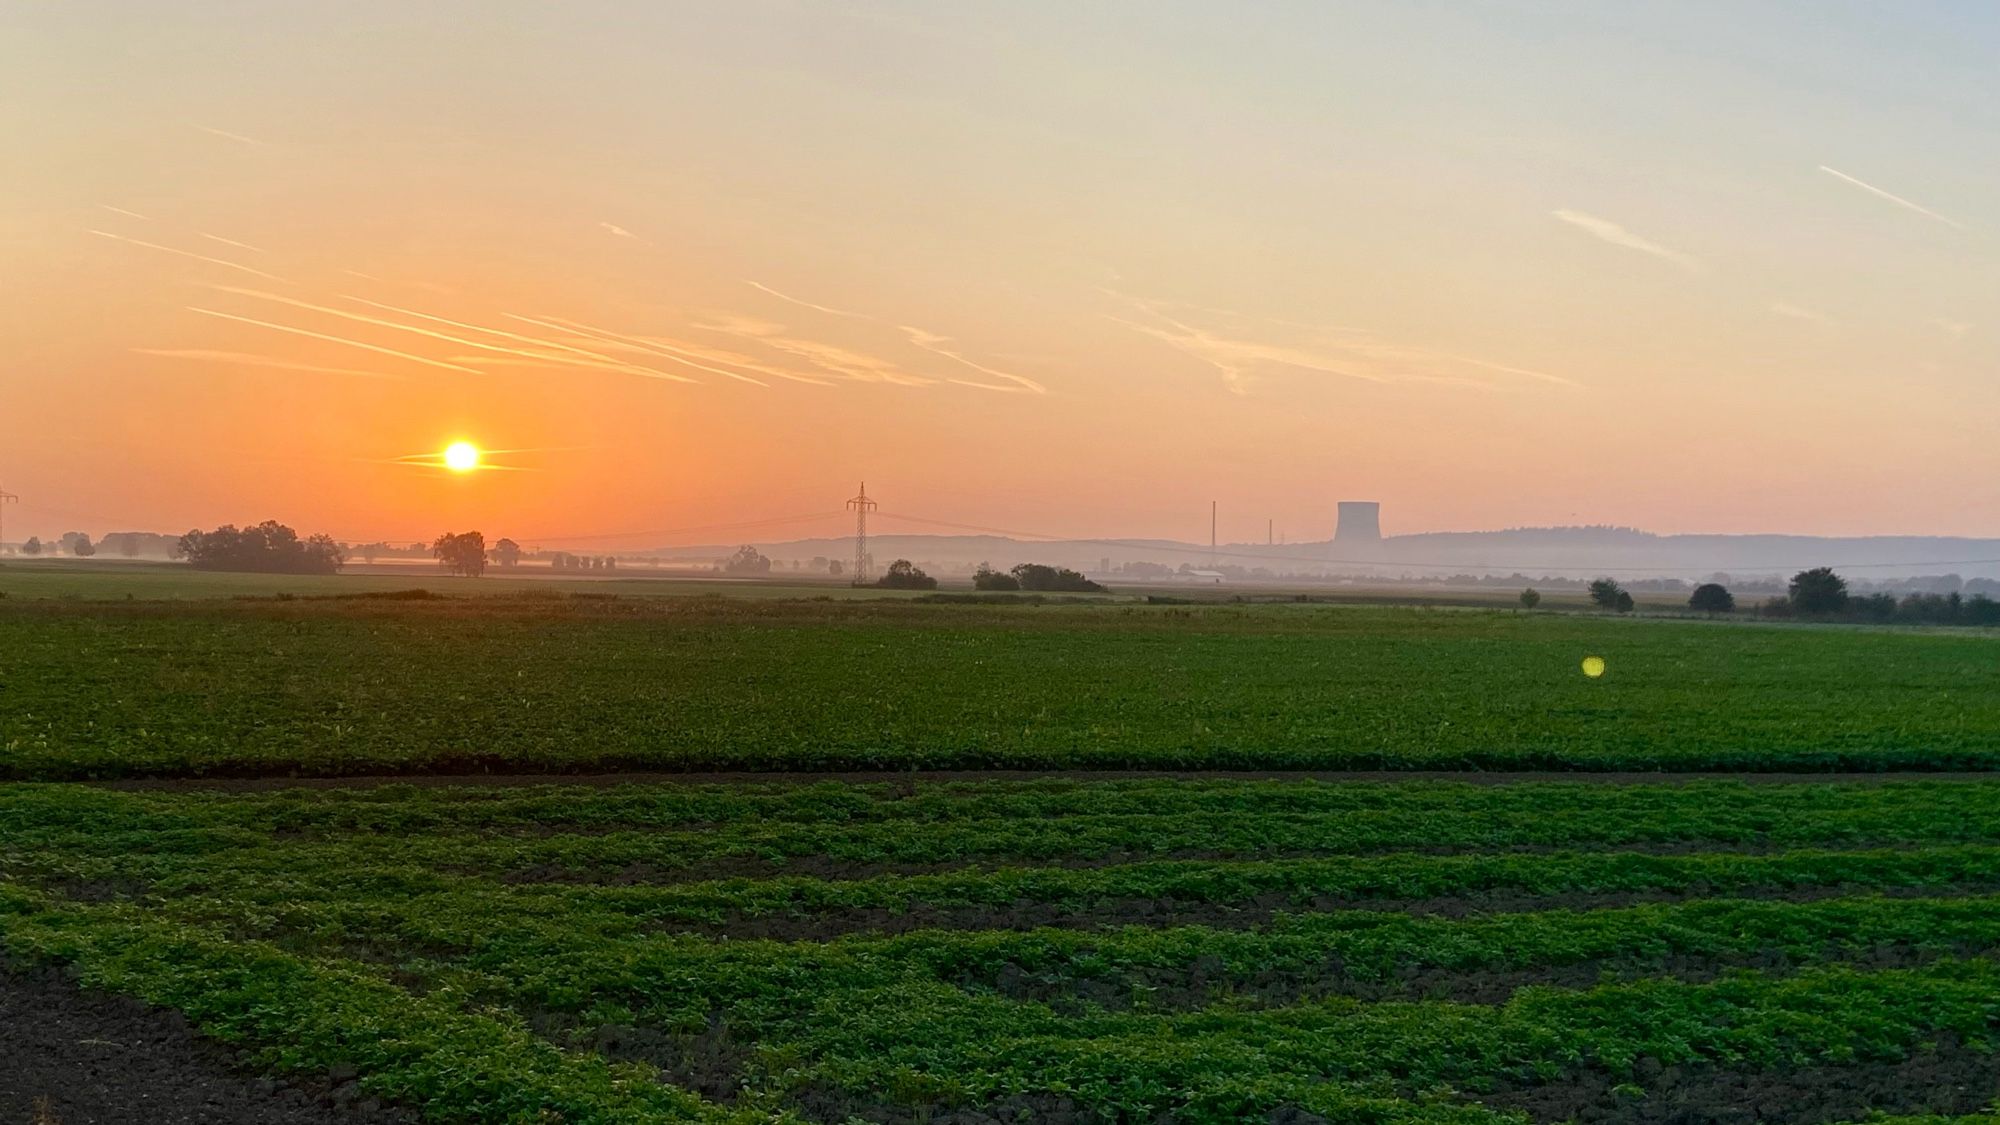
(1360, 523)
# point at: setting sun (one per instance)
(461, 457)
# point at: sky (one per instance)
(1054, 267)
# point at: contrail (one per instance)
(190, 254)
(566, 361)
(337, 340)
(237, 137)
(1617, 235)
(233, 242)
(1895, 199)
(611, 362)
(124, 212)
(925, 340)
(358, 318)
(664, 350)
(243, 359)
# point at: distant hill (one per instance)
(1528, 550)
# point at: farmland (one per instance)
(373, 848)
(567, 682)
(1054, 949)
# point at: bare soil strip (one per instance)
(85, 1058)
(1947, 1079)
(1111, 914)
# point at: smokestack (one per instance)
(1360, 524)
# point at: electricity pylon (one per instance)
(861, 505)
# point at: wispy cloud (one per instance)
(924, 340)
(1891, 197)
(1799, 312)
(124, 212)
(336, 340)
(614, 228)
(1956, 329)
(548, 353)
(1617, 235)
(689, 351)
(231, 242)
(1246, 348)
(244, 359)
(649, 347)
(191, 254)
(226, 135)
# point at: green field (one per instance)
(1165, 944)
(1115, 950)
(564, 683)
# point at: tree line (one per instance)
(1818, 594)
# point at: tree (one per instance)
(835, 568)
(747, 560)
(1036, 576)
(904, 575)
(1530, 598)
(33, 546)
(1712, 597)
(1818, 591)
(507, 553)
(80, 546)
(462, 554)
(986, 578)
(269, 547)
(1604, 593)
(1624, 603)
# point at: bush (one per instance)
(1712, 597)
(1604, 593)
(904, 575)
(1818, 591)
(1059, 579)
(986, 578)
(1624, 603)
(1530, 598)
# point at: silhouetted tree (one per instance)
(462, 554)
(835, 568)
(1530, 598)
(268, 547)
(1036, 576)
(1604, 593)
(986, 578)
(1624, 603)
(79, 544)
(1712, 597)
(33, 546)
(507, 553)
(904, 575)
(747, 560)
(1818, 591)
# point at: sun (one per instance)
(461, 457)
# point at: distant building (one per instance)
(1360, 523)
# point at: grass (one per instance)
(462, 949)
(555, 683)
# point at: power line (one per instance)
(861, 505)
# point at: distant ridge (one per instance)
(1528, 550)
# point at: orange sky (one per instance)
(1075, 273)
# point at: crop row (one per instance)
(914, 1038)
(405, 809)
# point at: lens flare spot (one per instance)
(1593, 666)
(461, 457)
